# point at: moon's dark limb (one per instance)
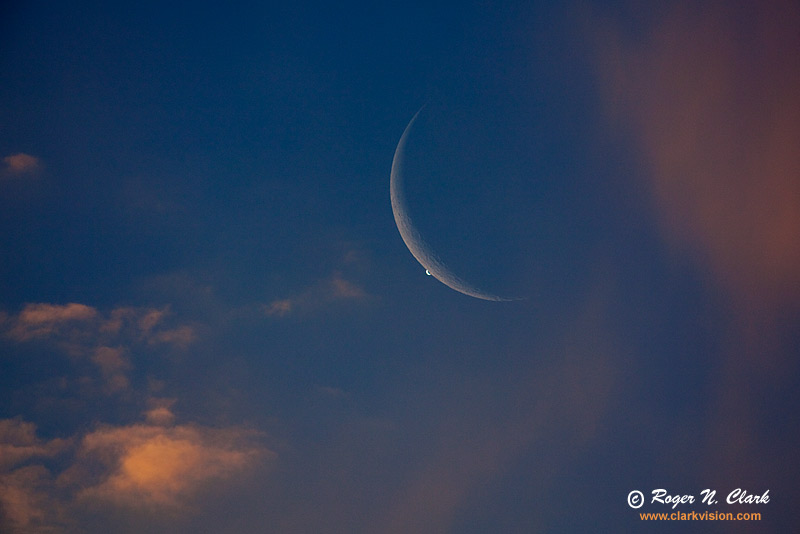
(416, 244)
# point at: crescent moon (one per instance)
(416, 244)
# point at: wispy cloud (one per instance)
(59, 322)
(21, 164)
(25, 484)
(26, 502)
(113, 365)
(105, 339)
(334, 289)
(344, 289)
(160, 412)
(44, 320)
(19, 443)
(279, 308)
(710, 93)
(180, 337)
(711, 96)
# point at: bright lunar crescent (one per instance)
(433, 265)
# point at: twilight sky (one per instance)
(210, 323)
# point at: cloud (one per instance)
(278, 308)
(710, 94)
(19, 443)
(80, 323)
(43, 320)
(137, 466)
(26, 504)
(180, 337)
(160, 412)
(334, 289)
(25, 500)
(107, 340)
(21, 164)
(48, 313)
(113, 365)
(150, 319)
(110, 360)
(154, 468)
(155, 465)
(342, 289)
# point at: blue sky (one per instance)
(210, 323)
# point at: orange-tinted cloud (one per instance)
(25, 501)
(35, 314)
(152, 463)
(711, 94)
(278, 308)
(149, 464)
(118, 318)
(344, 289)
(111, 360)
(19, 443)
(160, 412)
(156, 465)
(84, 324)
(150, 319)
(19, 164)
(26, 504)
(113, 365)
(180, 337)
(106, 339)
(329, 291)
(42, 320)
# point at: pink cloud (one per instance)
(711, 95)
(18, 164)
